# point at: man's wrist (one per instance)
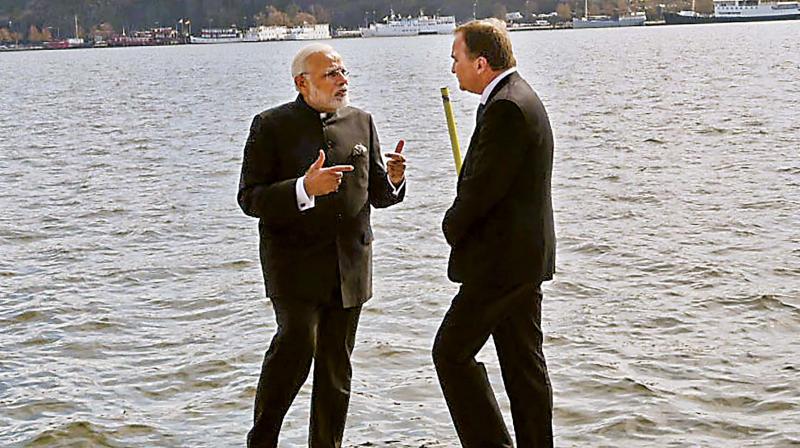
(396, 187)
(305, 201)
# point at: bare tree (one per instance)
(105, 29)
(321, 14)
(564, 11)
(499, 11)
(5, 35)
(304, 18)
(34, 35)
(704, 6)
(272, 16)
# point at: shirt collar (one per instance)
(323, 116)
(488, 90)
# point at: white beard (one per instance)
(317, 98)
(338, 102)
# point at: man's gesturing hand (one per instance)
(397, 164)
(320, 181)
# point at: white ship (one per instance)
(392, 27)
(218, 36)
(262, 34)
(309, 32)
(410, 26)
(437, 25)
(265, 33)
(726, 11)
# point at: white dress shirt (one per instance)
(488, 90)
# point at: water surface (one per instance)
(132, 310)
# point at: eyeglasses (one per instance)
(336, 72)
(331, 74)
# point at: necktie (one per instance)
(481, 107)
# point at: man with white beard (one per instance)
(311, 170)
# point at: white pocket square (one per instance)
(359, 150)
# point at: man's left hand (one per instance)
(396, 165)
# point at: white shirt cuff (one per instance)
(396, 190)
(304, 202)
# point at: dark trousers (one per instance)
(512, 316)
(322, 332)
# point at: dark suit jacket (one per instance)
(305, 255)
(500, 226)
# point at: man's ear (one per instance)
(480, 64)
(300, 81)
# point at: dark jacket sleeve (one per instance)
(495, 161)
(380, 188)
(260, 193)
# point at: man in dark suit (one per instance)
(500, 229)
(311, 170)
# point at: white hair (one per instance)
(300, 59)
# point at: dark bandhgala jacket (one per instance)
(305, 255)
(500, 226)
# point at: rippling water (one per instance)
(131, 301)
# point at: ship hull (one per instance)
(608, 23)
(676, 19)
(603, 24)
(215, 40)
(411, 27)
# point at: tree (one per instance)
(271, 16)
(609, 8)
(140, 14)
(564, 11)
(302, 18)
(321, 14)
(5, 35)
(529, 8)
(292, 10)
(34, 35)
(104, 30)
(704, 6)
(499, 11)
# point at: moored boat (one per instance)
(728, 11)
(410, 26)
(632, 19)
(309, 32)
(218, 36)
(627, 19)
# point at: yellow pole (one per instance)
(451, 126)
